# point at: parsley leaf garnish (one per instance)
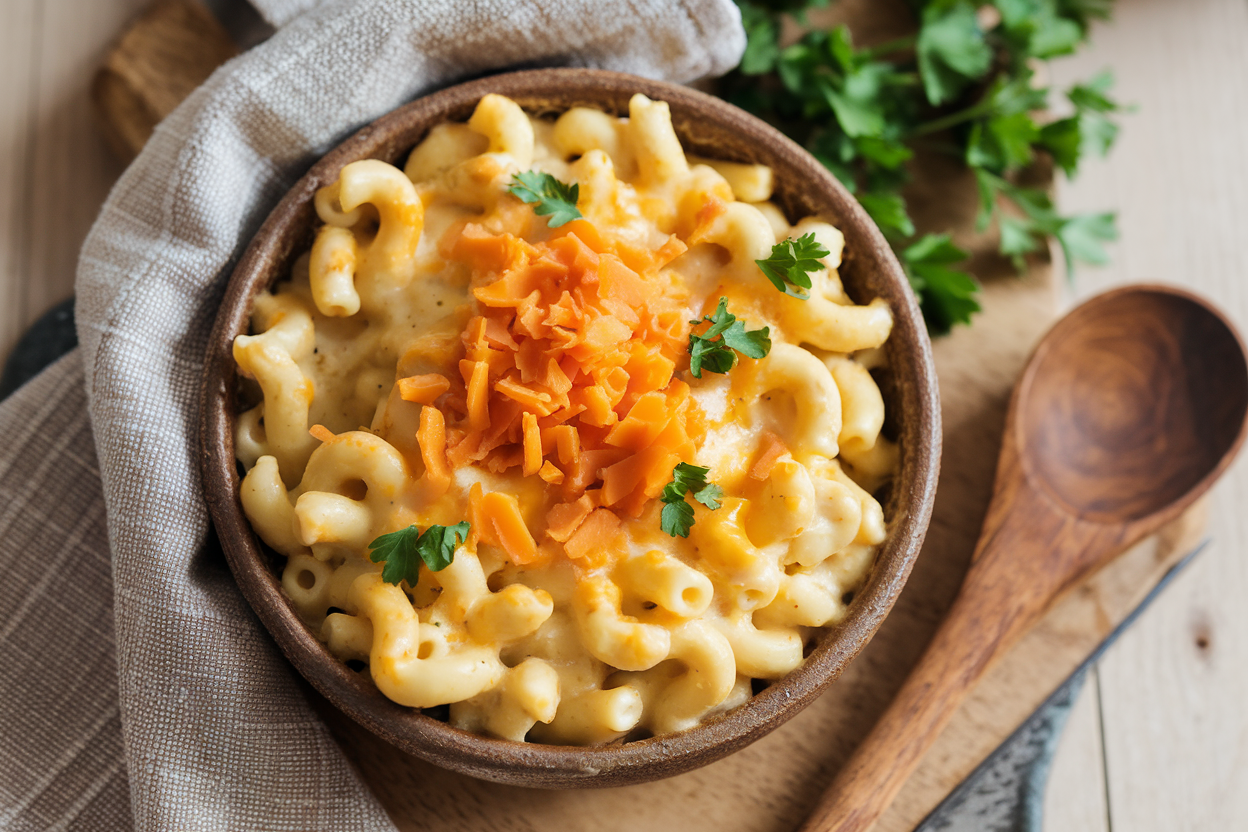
(677, 516)
(791, 263)
(716, 349)
(403, 551)
(552, 196)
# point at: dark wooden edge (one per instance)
(707, 126)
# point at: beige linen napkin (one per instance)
(217, 733)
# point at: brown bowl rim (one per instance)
(803, 184)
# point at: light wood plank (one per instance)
(71, 169)
(17, 93)
(1075, 798)
(1176, 730)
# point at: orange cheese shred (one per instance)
(550, 473)
(423, 389)
(322, 433)
(597, 535)
(644, 422)
(532, 446)
(431, 436)
(771, 448)
(478, 396)
(566, 443)
(529, 397)
(478, 525)
(501, 512)
(564, 518)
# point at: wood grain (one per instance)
(18, 93)
(55, 169)
(1074, 798)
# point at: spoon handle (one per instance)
(1026, 556)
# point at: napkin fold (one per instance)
(281, 12)
(217, 733)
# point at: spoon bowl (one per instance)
(1129, 410)
(1132, 400)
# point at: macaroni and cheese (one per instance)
(471, 339)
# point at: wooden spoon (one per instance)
(1129, 409)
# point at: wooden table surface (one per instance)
(1159, 737)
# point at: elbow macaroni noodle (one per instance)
(567, 615)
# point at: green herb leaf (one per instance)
(946, 295)
(762, 34)
(1002, 142)
(1039, 27)
(857, 103)
(1064, 139)
(791, 263)
(677, 516)
(1093, 106)
(553, 198)
(752, 343)
(1084, 11)
(951, 49)
(887, 152)
(1001, 139)
(1083, 235)
(1017, 240)
(687, 477)
(710, 496)
(404, 550)
(716, 348)
(989, 186)
(889, 213)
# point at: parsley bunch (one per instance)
(963, 84)
(677, 516)
(403, 551)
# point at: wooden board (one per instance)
(772, 784)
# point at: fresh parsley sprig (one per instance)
(791, 263)
(677, 516)
(553, 198)
(963, 84)
(404, 550)
(716, 348)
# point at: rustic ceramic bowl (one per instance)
(708, 127)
